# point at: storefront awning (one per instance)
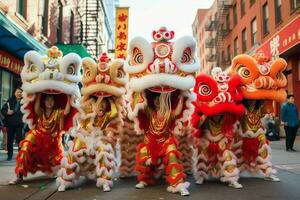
(73, 48)
(16, 41)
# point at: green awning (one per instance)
(15, 40)
(74, 48)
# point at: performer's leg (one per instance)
(174, 170)
(10, 141)
(287, 137)
(19, 135)
(200, 160)
(264, 164)
(105, 163)
(25, 162)
(143, 167)
(68, 173)
(229, 169)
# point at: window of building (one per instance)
(71, 27)
(236, 46)
(44, 17)
(59, 22)
(253, 32)
(223, 57)
(21, 7)
(228, 21)
(243, 8)
(277, 11)
(252, 2)
(228, 53)
(265, 19)
(244, 40)
(295, 4)
(235, 15)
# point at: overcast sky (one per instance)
(148, 15)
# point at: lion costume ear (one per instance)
(140, 55)
(117, 72)
(184, 55)
(246, 67)
(70, 67)
(33, 66)
(89, 68)
(276, 72)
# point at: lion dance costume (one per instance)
(217, 109)
(54, 75)
(160, 77)
(262, 80)
(92, 152)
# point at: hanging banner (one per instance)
(121, 40)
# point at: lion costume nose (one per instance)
(264, 82)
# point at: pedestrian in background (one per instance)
(11, 111)
(290, 120)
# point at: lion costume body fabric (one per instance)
(217, 109)
(262, 81)
(57, 76)
(161, 74)
(92, 152)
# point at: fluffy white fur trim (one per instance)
(152, 80)
(66, 61)
(178, 187)
(178, 48)
(148, 56)
(101, 87)
(42, 85)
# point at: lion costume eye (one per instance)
(243, 71)
(32, 68)
(187, 55)
(71, 69)
(204, 90)
(137, 57)
(120, 73)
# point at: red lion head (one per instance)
(218, 94)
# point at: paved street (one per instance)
(40, 187)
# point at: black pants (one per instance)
(290, 132)
(13, 132)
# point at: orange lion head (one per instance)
(262, 79)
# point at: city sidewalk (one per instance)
(40, 187)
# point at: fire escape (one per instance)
(90, 26)
(218, 28)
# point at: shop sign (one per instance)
(10, 63)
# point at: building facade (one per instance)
(96, 25)
(34, 25)
(248, 26)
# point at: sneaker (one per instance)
(106, 188)
(9, 159)
(200, 181)
(140, 185)
(184, 192)
(235, 185)
(272, 178)
(61, 188)
(293, 150)
(16, 181)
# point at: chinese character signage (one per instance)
(10, 63)
(121, 41)
(283, 40)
